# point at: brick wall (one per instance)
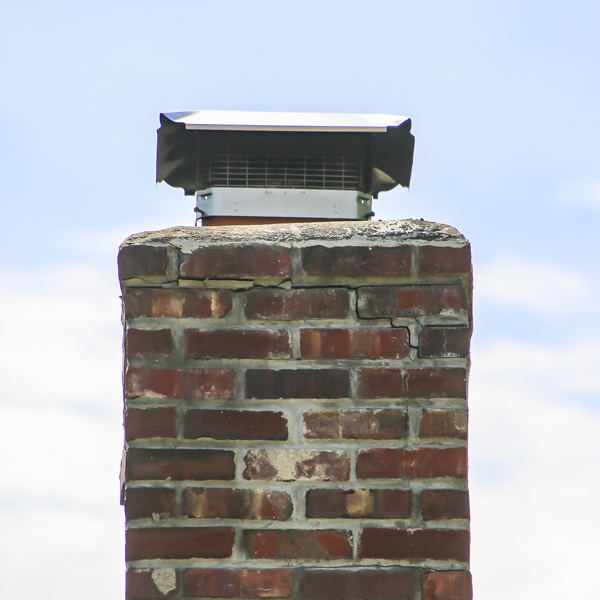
(295, 412)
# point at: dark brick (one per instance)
(148, 343)
(367, 424)
(444, 342)
(144, 503)
(286, 305)
(354, 343)
(320, 544)
(447, 585)
(150, 423)
(440, 259)
(197, 384)
(419, 544)
(423, 463)
(360, 584)
(235, 425)
(179, 542)
(444, 423)
(411, 301)
(141, 586)
(179, 465)
(238, 343)
(235, 503)
(356, 261)
(297, 383)
(142, 261)
(411, 383)
(358, 504)
(238, 261)
(238, 583)
(444, 504)
(174, 303)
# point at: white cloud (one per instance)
(582, 192)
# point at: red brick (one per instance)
(297, 383)
(319, 544)
(444, 423)
(142, 261)
(235, 425)
(447, 585)
(296, 465)
(358, 504)
(422, 544)
(286, 305)
(174, 303)
(411, 383)
(440, 259)
(367, 424)
(422, 463)
(356, 261)
(238, 343)
(180, 465)
(235, 503)
(444, 504)
(238, 261)
(141, 585)
(238, 583)
(444, 342)
(196, 384)
(411, 301)
(179, 542)
(150, 423)
(354, 343)
(360, 584)
(148, 343)
(145, 503)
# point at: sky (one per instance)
(504, 99)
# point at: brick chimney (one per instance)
(295, 411)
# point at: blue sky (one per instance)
(504, 99)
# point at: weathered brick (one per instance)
(174, 303)
(360, 584)
(179, 542)
(148, 343)
(356, 261)
(235, 503)
(444, 342)
(297, 383)
(411, 301)
(296, 465)
(149, 503)
(447, 585)
(238, 583)
(444, 423)
(444, 504)
(412, 383)
(423, 544)
(183, 464)
(144, 584)
(440, 259)
(367, 424)
(358, 504)
(422, 463)
(238, 343)
(286, 305)
(238, 261)
(197, 384)
(235, 425)
(320, 544)
(150, 423)
(142, 261)
(354, 343)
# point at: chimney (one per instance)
(295, 410)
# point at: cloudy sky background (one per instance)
(504, 99)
